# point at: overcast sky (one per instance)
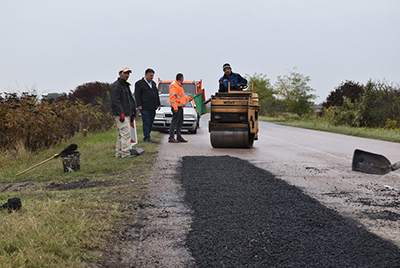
(54, 46)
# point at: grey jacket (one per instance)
(121, 98)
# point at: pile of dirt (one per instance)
(244, 216)
(17, 186)
(79, 184)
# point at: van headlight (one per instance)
(189, 116)
(159, 116)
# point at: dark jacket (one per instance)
(234, 79)
(121, 98)
(146, 96)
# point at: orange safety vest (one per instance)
(177, 96)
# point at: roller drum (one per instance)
(231, 139)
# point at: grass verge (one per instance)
(70, 219)
(392, 135)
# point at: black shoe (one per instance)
(172, 140)
(150, 141)
(182, 140)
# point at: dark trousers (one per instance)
(176, 123)
(147, 119)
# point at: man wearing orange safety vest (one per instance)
(177, 100)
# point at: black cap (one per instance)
(226, 65)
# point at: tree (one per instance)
(349, 89)
(262, 86)
(295, 92)
(91, 92)
(379, 102)
(95, 93)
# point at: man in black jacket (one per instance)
(229, 77)
(147, 100)
(123, 109)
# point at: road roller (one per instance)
(234, 119)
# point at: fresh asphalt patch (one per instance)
(244, 216)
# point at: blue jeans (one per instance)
(147, 119)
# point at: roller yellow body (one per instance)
(234, 119)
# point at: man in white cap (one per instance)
(123, 109)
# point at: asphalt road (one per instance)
(244, 216)
(317, 163)
(295, 147)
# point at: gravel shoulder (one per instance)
(164, 222)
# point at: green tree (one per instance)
(294, 90)
(379, 102)
(262, 86)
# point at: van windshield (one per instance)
(164, 100)
(163, 88)
(190, 89)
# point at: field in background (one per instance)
(392, 135)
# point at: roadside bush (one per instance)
(348, 114)
(27, 122)
(379, 102)
(375, 105)
(290, 116)
(391, 124)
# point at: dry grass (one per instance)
(71, 228)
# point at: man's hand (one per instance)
(122, 118)
(159, 107)
(132, 118)
(140, 108)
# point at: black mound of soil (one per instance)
(79, 184)
(246, 217)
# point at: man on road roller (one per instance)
(235, 80)
(234, 113)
